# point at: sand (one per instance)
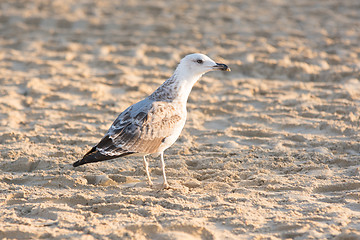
(270, 150)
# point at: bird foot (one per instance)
(150, 183)
(160, 187)
(165, 185)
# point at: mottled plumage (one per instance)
(153, 124)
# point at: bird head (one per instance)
(198, 64)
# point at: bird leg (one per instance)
(165, 183)
(146, 165)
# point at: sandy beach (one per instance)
(270, 150)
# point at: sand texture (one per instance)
(270, 150)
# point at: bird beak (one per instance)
(222, 67)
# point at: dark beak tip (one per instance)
(222, 67)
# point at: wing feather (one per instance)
(142, 130)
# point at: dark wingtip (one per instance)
(95, 156)
(77, 163)
(84, 159)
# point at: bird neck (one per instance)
(176, 89)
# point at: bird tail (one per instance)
(95, 156)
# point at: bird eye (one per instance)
(200, 61)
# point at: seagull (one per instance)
(152, 125)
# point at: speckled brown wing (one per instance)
(142, 131)
(141, 128)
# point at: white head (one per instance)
(197, 64)
(189, 70)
